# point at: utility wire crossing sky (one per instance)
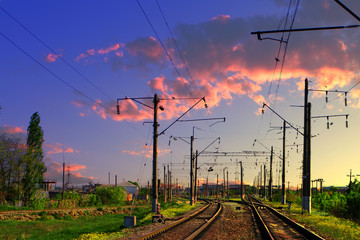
(70, 61)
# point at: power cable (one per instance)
(58, 55)
(142, 166)
(279, 50)
(285, 50)
(175, 42)
(163, 46)
(62, 80)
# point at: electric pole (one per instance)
(196, 166)
(242, 183)
(223, 191)
(164, 184)
(283, 199)
(351, 175)
(227, 183)
(154, 164)
(63, 188)
(264, 181)
(217, 185)
(191, 170)
(270, 180)
(306, 201)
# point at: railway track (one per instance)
(274, 225)
(189, 227)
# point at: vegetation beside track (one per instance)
(106, 226)
(322, 223)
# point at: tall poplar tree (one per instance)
(34, 165)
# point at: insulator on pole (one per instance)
(326, 97)
(346, 122)
(327, 122)
(345, 99)
(118, 109)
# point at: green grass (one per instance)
(68, 228)
(109, 226)
(324, 224)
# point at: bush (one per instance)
(89, 200)
(334, 203)
(38, 200)
(110, 195)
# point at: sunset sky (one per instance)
(71, 60)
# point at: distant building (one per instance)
(131, 189)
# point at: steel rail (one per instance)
(167, 228)
(205, 225)
(264, 230)
(299, 228)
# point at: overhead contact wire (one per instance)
(162, 45)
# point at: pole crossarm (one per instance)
(208, 146)
(329, 116)
(236, 154)
(202, 99)
(136, 99)
(201, 119)
(258, 33)
(323, 90)
(181, 165)
(181, 138)
(280, 157)
(296, 129)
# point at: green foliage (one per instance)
(340, 205)
(89, 200)
(38, 200)
(34, 165)
(334, 203)
(12, 154)
(110, 195)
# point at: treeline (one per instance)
(341, 205)
(21, 165)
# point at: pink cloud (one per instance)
(147, 48)
(109, 49)
(58, 148)
(158, 83)
(75, 167)
(103, 51)
(12, 130)
(226, 63)
(147, 151)
(91, 52)
(77, 103)
(51, 57)
(77, 172)
(81, 56)
(221, 18)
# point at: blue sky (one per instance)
(112, 44)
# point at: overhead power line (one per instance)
(175, 42)
(162, 45)
(57, 54)
(63, 81)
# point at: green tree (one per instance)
(12, 153)
(34, 165)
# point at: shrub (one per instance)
(111, 195)
(88, 200)
(38, 200)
